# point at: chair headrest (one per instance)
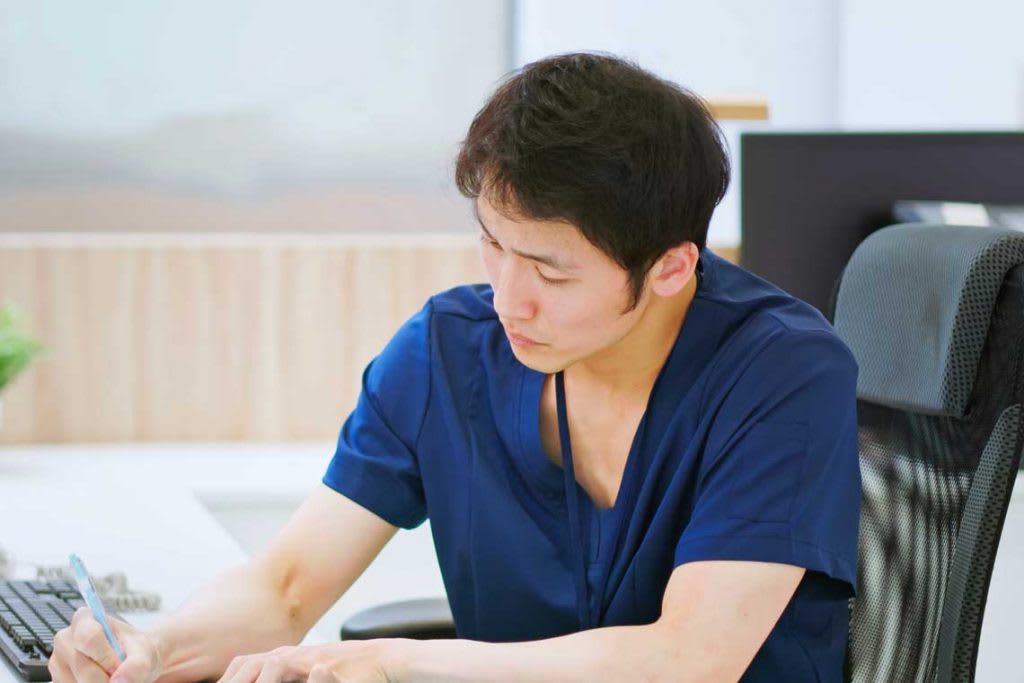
(914, 305)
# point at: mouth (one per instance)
(521, 341)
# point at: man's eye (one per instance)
(489, 242)
(551, 280)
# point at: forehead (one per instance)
(552, 235)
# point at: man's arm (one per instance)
(276, 598)
(715, 617)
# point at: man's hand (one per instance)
(81, 653)
(355, 661)
(715, 617)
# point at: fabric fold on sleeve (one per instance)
(375, 462)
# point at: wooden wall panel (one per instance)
(192, 337)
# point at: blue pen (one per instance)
(88, 592)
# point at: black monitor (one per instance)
(808, 199)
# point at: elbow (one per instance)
(286, 592)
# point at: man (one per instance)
(639, 460)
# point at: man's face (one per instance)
(559, 298)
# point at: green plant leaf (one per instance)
(16, 349)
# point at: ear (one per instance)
(674, 269)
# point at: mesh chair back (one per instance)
(935, 317)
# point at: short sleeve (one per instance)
(375, 462)
(780, 477)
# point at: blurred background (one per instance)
(241, 116)
(214, 214)
(345, 116)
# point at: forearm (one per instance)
(610, 654)
(240, 611)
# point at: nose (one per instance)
(513, 292)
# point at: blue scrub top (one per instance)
(747, 451)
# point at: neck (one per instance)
(632, 364)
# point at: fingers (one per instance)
(81, 653)
(136, 668)
(233, 666)
(85, 670)
(272, 671)
(243, 670)
(87, 637)
(60, 672)
(321, 674)
(278, 666)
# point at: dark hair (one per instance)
(636, 162)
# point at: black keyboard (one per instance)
(31, 612)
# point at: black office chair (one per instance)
(935, 317)
(425, 619)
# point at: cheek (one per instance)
(576, 321)
(588, 323)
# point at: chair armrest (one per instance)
(426, 619)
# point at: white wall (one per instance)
(936, 64)
(203, 104)
(237, 97)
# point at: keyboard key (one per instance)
(18, 606)
(24, 638)
(23, 589)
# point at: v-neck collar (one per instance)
(597, 568)
(549, 477)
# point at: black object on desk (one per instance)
(31, 612)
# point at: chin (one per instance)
(539, 362)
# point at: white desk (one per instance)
(151, 517)
(145, 509)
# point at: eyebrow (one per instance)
(547, 260)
